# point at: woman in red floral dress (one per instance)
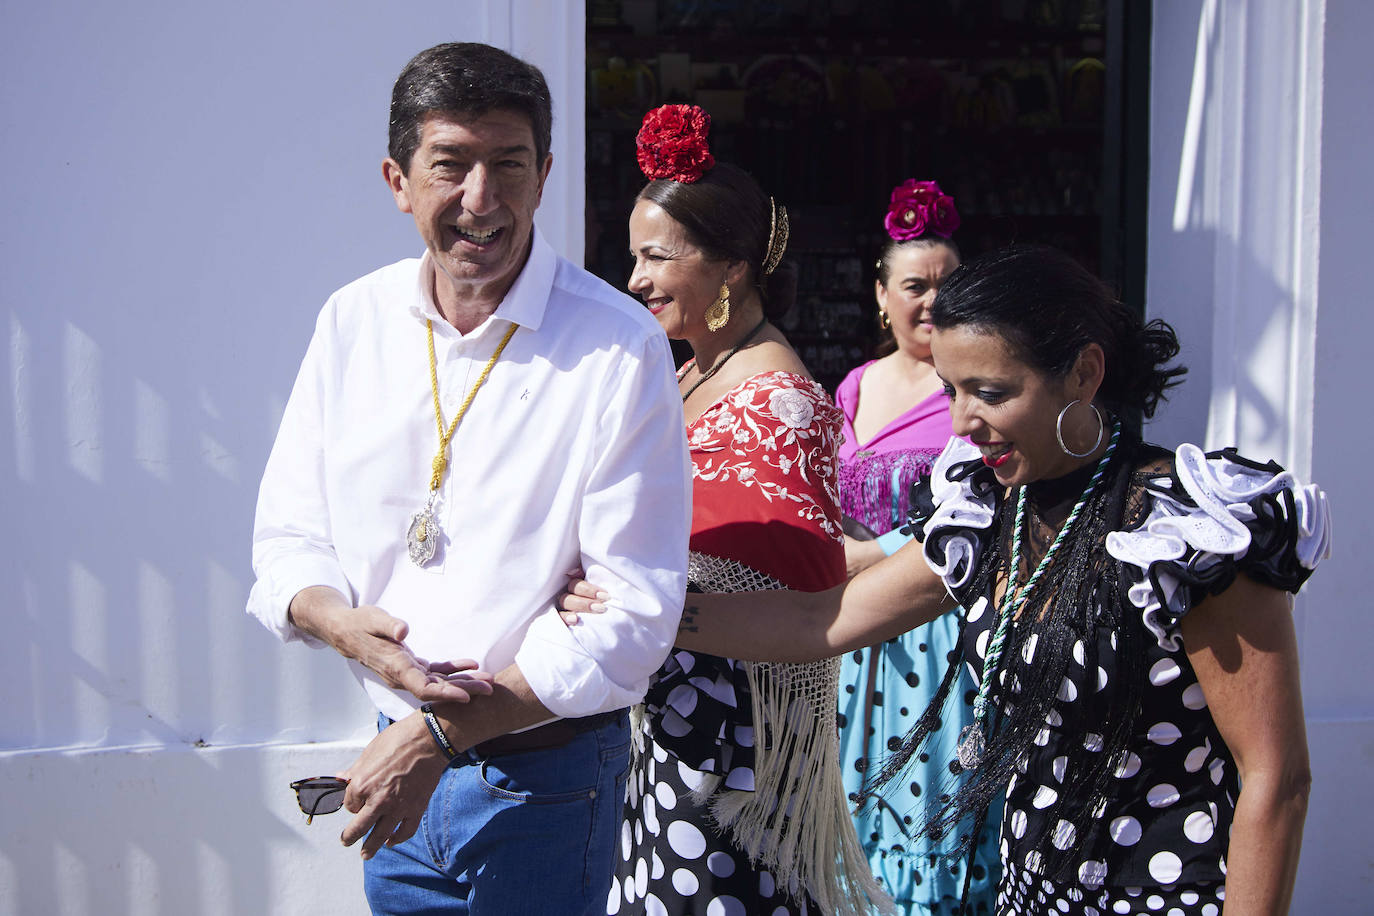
(730, 749)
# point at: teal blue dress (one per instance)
(923, 876)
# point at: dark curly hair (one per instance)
(1048, 307)
(727, 215)
(470, 79)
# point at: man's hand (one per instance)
(390, 784)
(377, 640)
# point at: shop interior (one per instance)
(1030, 113)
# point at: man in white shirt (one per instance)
(380, 536)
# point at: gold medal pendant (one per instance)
(423, 534)
(422, 537)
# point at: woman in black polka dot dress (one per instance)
(1127, 615)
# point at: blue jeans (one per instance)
(527, 833)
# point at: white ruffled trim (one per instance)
(1222, 490)
(957, 507)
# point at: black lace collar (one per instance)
(1056, 496)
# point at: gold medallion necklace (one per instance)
(423, 534)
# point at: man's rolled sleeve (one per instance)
(292, 545)
(633, 531)
(295, 569)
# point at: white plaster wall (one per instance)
(184, 185)
(1338, 639)
(1259, 205)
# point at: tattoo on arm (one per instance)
(688, 623)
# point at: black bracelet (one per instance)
(437, 731)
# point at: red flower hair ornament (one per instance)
(671, 143)
(918, 207)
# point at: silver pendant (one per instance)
(972, 744)
(423, 535)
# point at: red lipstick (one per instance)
(999, 460)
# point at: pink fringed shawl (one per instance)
(875, 476)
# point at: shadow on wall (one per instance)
(185, 831)
(132, 570)
(161, 282)
(1210, 275)
(173, 235)
(127, 577)
(1246, 394)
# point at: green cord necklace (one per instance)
(973, 738)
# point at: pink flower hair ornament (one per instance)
(672, 144)
(918, 207)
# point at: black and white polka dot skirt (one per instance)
(673, 860)
(1023, 892)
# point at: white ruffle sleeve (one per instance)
(1219, 514)
(955, 532)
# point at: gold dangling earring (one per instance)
(718, 313)
(885, 321)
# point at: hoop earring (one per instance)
(883, 318)
(1059, 430)
(718, 313)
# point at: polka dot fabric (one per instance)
(1156, 842)
(1024, 891)
(1169, 811)
(672, 860)
(701, 704)
(925, 877)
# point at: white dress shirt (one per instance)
(572, 454)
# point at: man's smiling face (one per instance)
(472, 187)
